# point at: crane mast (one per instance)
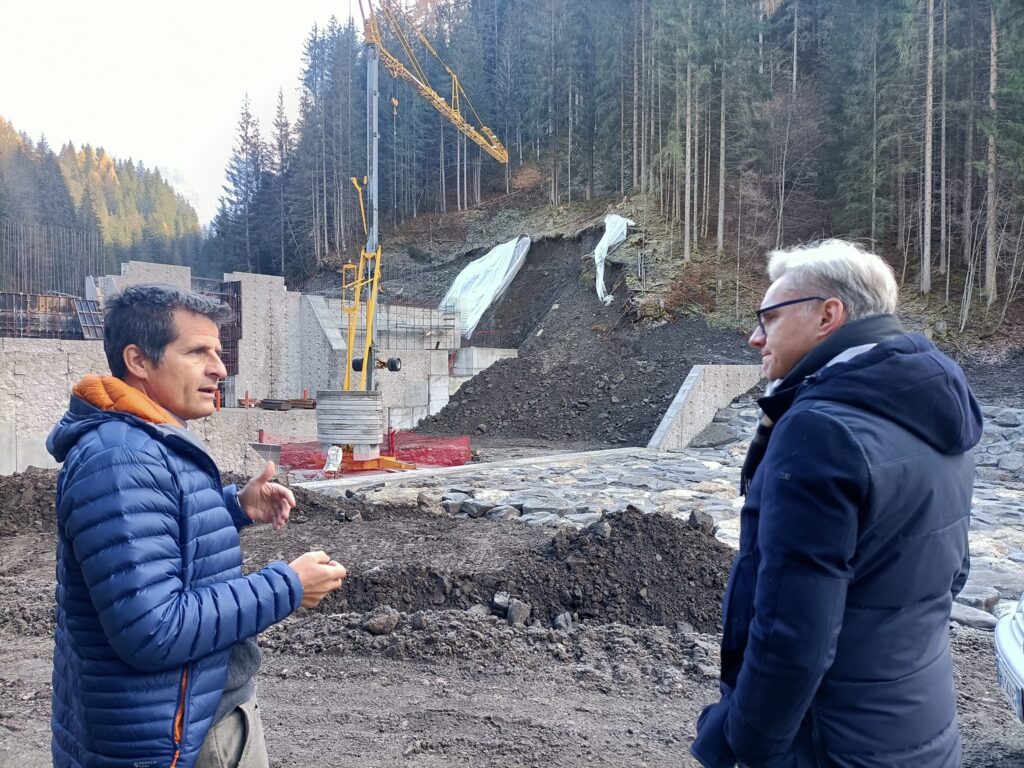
(366, 277)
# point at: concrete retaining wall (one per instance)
(267, 364)
(227, 434)
(36, 378)
(707, 389)
(138, 272)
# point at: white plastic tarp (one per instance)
(484, 280)
(615, 227)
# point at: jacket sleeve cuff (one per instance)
(295, 590)
(710, 748)
(752, 747)
(238, 516)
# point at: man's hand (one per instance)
(319, 575)
(266, 502)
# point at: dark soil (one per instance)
(585, 372)
(632, 568)
(27, 502)
(999, 381)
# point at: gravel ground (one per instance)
(396, 669)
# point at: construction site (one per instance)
(524, 452)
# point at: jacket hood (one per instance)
(97, 399)
(906, 380)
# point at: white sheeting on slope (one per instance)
(615, 227)
(484, 280)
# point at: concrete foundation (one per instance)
(36, 378)
(706, 389)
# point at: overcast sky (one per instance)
(159, 82)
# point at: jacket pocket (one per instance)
(178, 728)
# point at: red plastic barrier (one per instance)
(428, 450)
(433, 450)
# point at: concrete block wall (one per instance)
(322, 344)
(292, 347)
(227, 434)
(706, 389)
(137, 272)
(36, 379)
(264, 354)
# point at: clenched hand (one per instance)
(319, 575)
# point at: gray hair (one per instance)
(860, 279)
(143, 315)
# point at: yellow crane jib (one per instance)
(480, 134)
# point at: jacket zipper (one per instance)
(179, 718)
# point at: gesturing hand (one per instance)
(266, 502)
(319, 575)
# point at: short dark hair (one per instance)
(143, 315)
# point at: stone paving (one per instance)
(578, 489)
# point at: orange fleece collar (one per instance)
(109, 393)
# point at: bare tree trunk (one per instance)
(901, 196)
(695, 177)
(643, 104)
(943, 192)
(967, 235)
(636, 96)
(661, 162)
(929, 119)
(553, 104)
(707, 169)
(874, 130)
(720, 234)
(760, 53)
(687, 206)
(796, 38)
(444, 191)
(991, 251)
(569, 149)
(622, 120)
(781, 219)
(678, 193)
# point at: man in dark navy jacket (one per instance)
(853, 540)
(155, 657)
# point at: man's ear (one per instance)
(833, 315)
(135, 362)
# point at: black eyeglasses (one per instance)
(761, 312)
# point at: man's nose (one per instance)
(757, 338)
(218, 368)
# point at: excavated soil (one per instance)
(585, 372)
(413, 662)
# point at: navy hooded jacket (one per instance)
(150, 592)
(853, 543)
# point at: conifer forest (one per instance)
(744, 125)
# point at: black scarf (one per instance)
(867, 330)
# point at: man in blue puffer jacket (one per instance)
(853, 539)
(155, 654)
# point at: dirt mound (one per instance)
(584, 373)
(630, 568)
(634, 568)
(27, 502)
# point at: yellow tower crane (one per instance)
(353, 418)
(366, 277)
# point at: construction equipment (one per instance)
(360, 283)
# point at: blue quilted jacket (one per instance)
(150, 591)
